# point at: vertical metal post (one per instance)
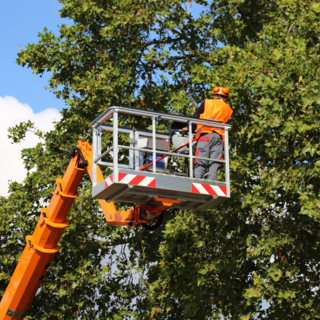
(94, 156)
(131, 152)
(190, 150)
(115, 146)
(154, 144)
(226, 158)
(99, 136)
(137, 153)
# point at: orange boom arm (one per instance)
(42, 245)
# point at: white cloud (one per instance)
(12, 113)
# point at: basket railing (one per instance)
(99, 126)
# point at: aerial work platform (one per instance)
(140, 168)
(134, 177)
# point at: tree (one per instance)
(260, 245)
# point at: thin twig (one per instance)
(294, 22)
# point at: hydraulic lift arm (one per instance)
(136, 216)
(42, 246)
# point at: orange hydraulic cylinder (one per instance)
(41, 246)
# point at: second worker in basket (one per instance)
(210, 140)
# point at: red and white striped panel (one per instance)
(209, 189)
(133, 179)
(137, 180)
(108, 182)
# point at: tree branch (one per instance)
(158, 42)
(294, 22)
(247, 21)
(123, 241)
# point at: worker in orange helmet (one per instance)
(210, 140)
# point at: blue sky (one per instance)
(20, 22)
(22, 94)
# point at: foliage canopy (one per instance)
(263, 244)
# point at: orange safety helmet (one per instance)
(221, 90)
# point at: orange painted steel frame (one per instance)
(42, 246)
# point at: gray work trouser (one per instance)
(209, 145)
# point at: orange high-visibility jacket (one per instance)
(215, 110)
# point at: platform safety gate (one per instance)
(128, 184)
